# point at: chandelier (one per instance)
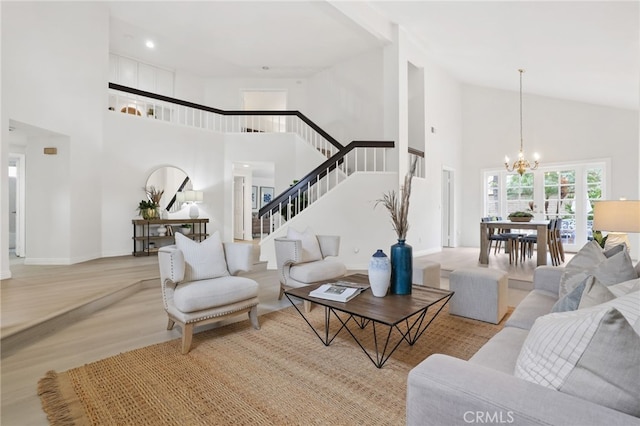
(521, 164)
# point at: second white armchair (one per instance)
(305, 258)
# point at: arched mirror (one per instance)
(171, 180)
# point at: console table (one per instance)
(146, 240)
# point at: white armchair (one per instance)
(200, 286)
(306, 258)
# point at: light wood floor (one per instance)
(128, 314)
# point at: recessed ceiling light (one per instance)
(150, 44)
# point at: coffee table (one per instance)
(406, 314)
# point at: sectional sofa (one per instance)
(508, 380)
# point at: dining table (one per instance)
(540, 226)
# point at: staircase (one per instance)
(342, 162)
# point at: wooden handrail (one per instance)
(318, 173)
(301, 186)
(188, 104)
(416, 152)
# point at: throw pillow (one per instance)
(613, 270)
(628, 305)
(614, 250)
(571, 301)
(590, 254)
(594, 294)
(310, 246)
(590, 353)
(625, 287)
(203, 260)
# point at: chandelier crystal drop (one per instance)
(521, 165)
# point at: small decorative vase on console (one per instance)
(401, 268)
(379, 273)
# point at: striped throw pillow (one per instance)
(591, 353)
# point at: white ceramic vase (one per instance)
(379, 273)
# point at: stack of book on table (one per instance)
(341, 291)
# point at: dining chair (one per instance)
(528, 242)
(559, 246)
(493, 235)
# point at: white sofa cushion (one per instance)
(591, 353)
(203, 260)
(195, 296)
(536, 304)
(501, 351)
(325, 269)
(310, 245)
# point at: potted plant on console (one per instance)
(148, 209)
(185, 228)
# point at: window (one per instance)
(519, 192)
(565, 192)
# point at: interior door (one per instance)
(238, 207)
(447, 208)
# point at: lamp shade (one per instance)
(617, 216)
(192, 196)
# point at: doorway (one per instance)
(16, 205)
(238, 208)
(447, 208)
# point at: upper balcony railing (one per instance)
(158, 107)
(358, 156)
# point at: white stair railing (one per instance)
(215, 120)
(358, 159)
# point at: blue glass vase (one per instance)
(401, 268)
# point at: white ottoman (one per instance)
(426, 272)
(480, 293)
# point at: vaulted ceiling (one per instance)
(580, 50)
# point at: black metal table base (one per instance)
(415, 325)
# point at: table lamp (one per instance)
(193, 197)
(617, 218)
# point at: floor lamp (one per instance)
(617, 218)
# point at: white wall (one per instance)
(347, 211)
(226, 93)
(561, 131)
(133, 149)
(443, 150)
(347, 100)
(55, 79)
(47, 237)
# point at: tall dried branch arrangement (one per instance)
(154, 195)
(398, 207)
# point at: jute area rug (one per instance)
(279, 375)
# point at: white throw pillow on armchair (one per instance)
(202, 260)
(310, 245)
